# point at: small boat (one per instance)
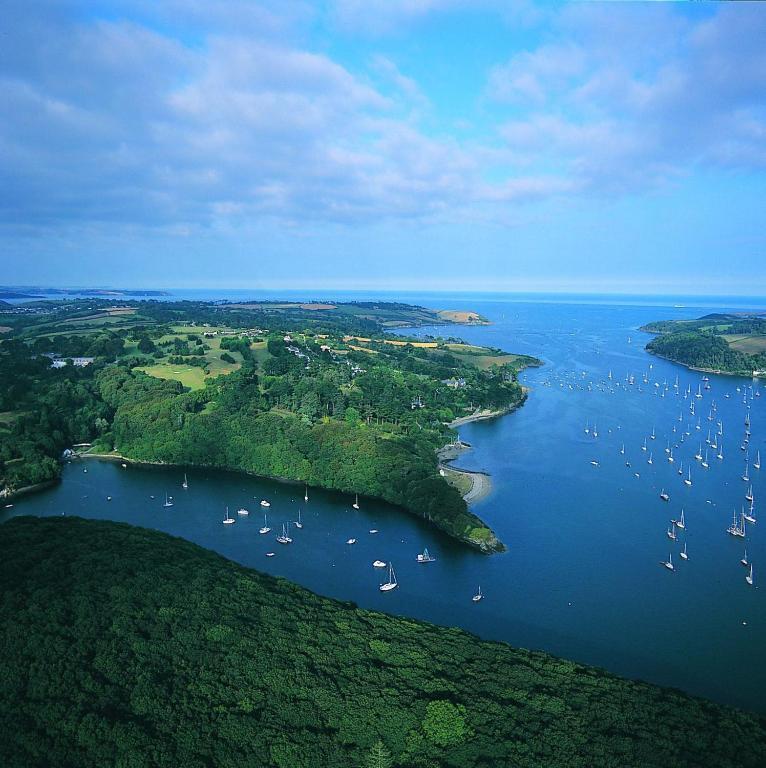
(378, 564)
(350, 541)
(757, 462)
(672, 532)
(185, 483)
(284, 537)
(670, 457)
(243, 511)
(478, 596)
(85, 469)
(265, 503)
(124, 465)
(228, 520)
(355, 505)
(643, 447)
(298, 523)
(373, 530)
(749, 516)
(650, 460)
(269, 554)
(622, 450)
(265, 528)
(168, 501)
(688, 480)
(594, 463)
(749, 577)
(744, 560)
(306, 495)
(391, 583)
(664, 496)
(108, 498)
(669, 562)
(426, 557)
(681, 523)
(684, 556)
(653, 436)
(736, 529)
(749, 494)
(704, 461)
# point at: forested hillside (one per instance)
(726, 343)
(323, 406)
(126, 647)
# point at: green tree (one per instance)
(379, 756)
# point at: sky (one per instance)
(390, 144)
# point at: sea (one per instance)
(574, 498)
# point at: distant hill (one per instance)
(127, 647)
(718, 342)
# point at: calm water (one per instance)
(583, 575)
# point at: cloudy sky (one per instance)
(485, 144)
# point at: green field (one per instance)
(750, 345)
(188, 375)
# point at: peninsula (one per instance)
(733, 343)
(316, 393)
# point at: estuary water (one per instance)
(583, 576)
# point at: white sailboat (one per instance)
(681, 523)
(746, 474)
(672, 531)
(228, 520)
(168, 501)
(306, 494)
(425, 557)
(284, 537)
(391, 583)
(749, 577)
(749, 494)
(749, 516)
(744, 560)
(649, 460)
(670, 456)
(757, 462)
(684, 555)
(669, 562)
(185, 483)
(350, 541)
(653, 436)
(704, 461)
(355, 505)
(478, 596)
(643, 447)
(664, 496)
(265, 528)
(298, 523)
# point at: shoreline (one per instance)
(6, 496)
(717, 372)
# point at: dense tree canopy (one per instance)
(127, 647)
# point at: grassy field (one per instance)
(458, 480)
(750, 345)
(188, 375)
(481, 357)
(394, 342)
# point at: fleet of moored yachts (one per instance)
(285, 538)
(713, 446)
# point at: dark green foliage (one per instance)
(126, 647)
(705, 350)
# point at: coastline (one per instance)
(716, 371)
(6, 496)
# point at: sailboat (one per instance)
(306, 495)
(744, 558)
(757, 462)
(672, 531)
(643, 447)
(622, 450)
(746, 474)
(720, 451)
(478, 596)
(749, 577)
(749, 516)
(391, 583)
(228, 520)
(653, 436)
(670, 457)
(735, 529)
(698, 455)
(168, 501)
(587, 428)
(664, 496)
(749, 494)
(185, 483)
(704, 461)
(688, 480)
(284, 538)
(681, 523)
(425, 557)
(649, 460)
(355, 505)
(681, 469)
(298, 523)
(265, 528)
(684, 556)
(669, 562)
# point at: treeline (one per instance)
(53, 408)
(705, 350)
(232, 425)
(127, 647)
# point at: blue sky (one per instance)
(427, 144)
